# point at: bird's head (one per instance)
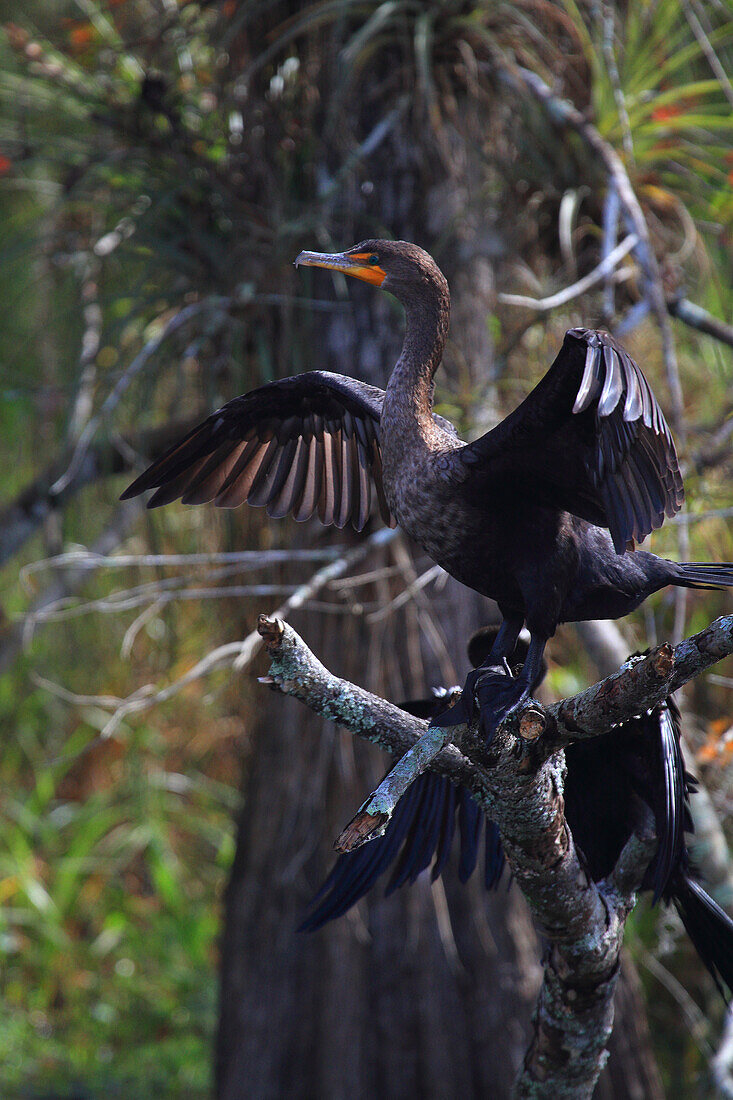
(398, 266)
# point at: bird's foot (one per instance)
(462, 711)
(498, 695)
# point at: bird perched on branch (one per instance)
(539, 514)
(611, 783)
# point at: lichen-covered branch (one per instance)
(296, 671)
(639, 685)
(374, 816)
(518, 781)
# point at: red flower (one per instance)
(661, 114)
(82, 35)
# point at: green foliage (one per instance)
(156, 156)
(656, 100)
(111, 861)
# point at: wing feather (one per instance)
(589, 385)
(265, 480)
(306, 506)
(303, 445)
(612, 384)
(235, 489)
(345, 458)
(290, 475)
(206, 484)
(364, 489)
(330, 480)
(177, 485)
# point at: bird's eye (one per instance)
(373, 259)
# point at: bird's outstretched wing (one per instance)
(303, 445)
(590, 438)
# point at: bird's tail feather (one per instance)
(699, 574)
(709, 928)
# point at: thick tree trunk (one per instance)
(426, 993)
(430, 992)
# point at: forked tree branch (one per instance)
(518, 782)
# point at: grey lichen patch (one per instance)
(346, 706)
(701, 650)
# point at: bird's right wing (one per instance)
(590, 438)
(301, 445)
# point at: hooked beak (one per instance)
(350, 263)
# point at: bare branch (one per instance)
(81, 557)
(723, 1060)
(238, 654)
(639, 685)
(609, 26)
(70, 579)
(607, 265)
(214, 304)
(698, 318)
(707, 48)
(20, 519)
(626, 878)
(90, 341)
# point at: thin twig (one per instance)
(239, 654)
(609, 26)
(406, 594)
(87, 559)
(697, 1025)
(723, 1061)
(567, 114)
(124, 382)
(611, 208)
(707, 48)
(90, 341)
(69, 580)
(604, 268)
(67, 608)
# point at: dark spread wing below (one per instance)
(590, 438)
(303, 445)
(421, 831)
(669, 797)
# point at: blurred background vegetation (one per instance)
(161, 163)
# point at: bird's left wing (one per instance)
(301, 445)
(590, 438)
(421, 830)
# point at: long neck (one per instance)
(427, 316)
